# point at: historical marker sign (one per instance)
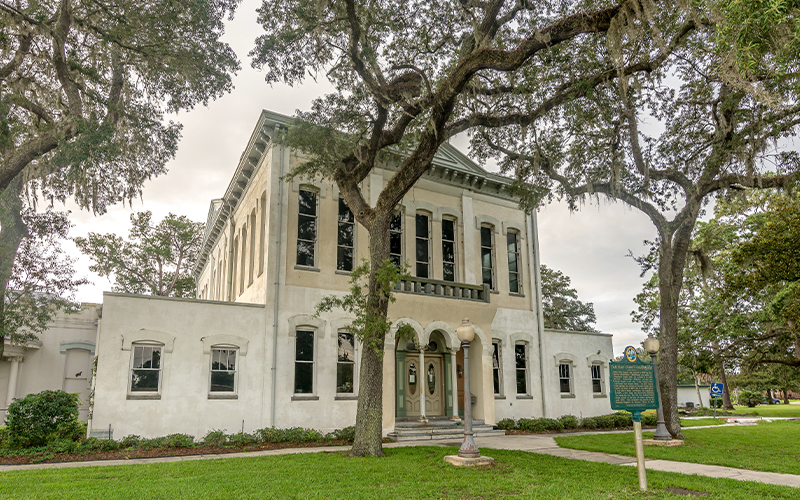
(633, 384)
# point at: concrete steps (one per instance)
(439, 430)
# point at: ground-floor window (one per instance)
(304, 362)
(223, 370)
(597, 379)
(146, 368)
(497, 372)
(564, 379)
(345, 364)
(521, 358)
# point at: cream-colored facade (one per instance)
(250, 353)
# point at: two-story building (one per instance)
(250, 352)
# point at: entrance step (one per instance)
(404, 431)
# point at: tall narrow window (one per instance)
(522, 368)
(512, 241)
(223, 370)
(597, 379)
(146, 368)
(487, 257)
(564, 382)
(396, 239)
(346, 238)
(306, 228)
(242, 268)
(304, 362)
(497, 371)
(345, 363)
(423, 246)
(448, 250)
(251, 263)
(233, 267)
(262, 234)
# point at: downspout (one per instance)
(539, 313)
(277, 292)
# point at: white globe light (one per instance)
(651, 344)
(465, 331)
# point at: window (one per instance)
(304, 363)
(345, 364)
(252, 259)
(497, 371)
(565, 383)
(243, 256)
(512, 241)
(262, 233)
(396, 239)
(233, 267)
(597, 379)
(223, 370)
(520, 355)
(306, 228)
(423, 246)
(146, 369)
(448, 250)
(345, 241)
(487, 257)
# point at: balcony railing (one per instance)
(446, 289)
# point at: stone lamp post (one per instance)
(651, 345)
(468, 454)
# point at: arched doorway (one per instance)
(427, 377)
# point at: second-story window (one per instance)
(487, 257)
(512, 241)
(306, 228)
(345, 240)
(396, 239)
(423, 246)
(448, 250)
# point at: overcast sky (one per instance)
(590, 246)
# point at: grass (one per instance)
(769, 410)
(695, 422)
(768, 446)
(417, 472)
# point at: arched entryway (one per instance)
(424, 378)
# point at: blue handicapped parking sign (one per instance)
(716, 390)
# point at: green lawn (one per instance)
(769, 410)
(406, 473)
(771, 447)
(696, 422)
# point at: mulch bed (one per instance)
(155, 452)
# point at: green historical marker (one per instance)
(633, 388)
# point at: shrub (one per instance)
(346, 434)
(649, 419)
(613, 421)
(38, 418)
(750, 399)
(215, 438)
(178, 441)
(4, 439)
(526, 424)
(130, 441)
(569, 421)
(241, 439)
(506, 424)
(551, 424)
(99, 445)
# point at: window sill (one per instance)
(346, 397)
(142, 397)
(499, 396)
(343, 273)
(601, 395)
(305, 397)
(524, 396)
(223, 396)
(567, 396)
(306, 268)
(494, 292)
(515, 294)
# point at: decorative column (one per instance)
(422, 377)
(12, 379)
(454, 384)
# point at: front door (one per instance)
(428, 382)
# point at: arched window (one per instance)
(423, 245)
(487, 256)
(449, 227)
(306, 228)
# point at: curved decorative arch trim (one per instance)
(317, 184)
(392, 336)
(340, 324)
(306, 320)
(521, 337)
(562, 357)
(144, 335)
(487, 219)
(210, 341)
(449, 333)
(516, 226)
(595, 359)
(450, 211)
(76, 344)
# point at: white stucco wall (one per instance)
(688, 393)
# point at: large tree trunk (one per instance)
(726, 395)
(12, 231)
(668, 336)
(369, 416)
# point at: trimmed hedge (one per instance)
(570, 422)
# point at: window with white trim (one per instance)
(396, 239)
(345, 242)
(306, 228)
(487, 256)
(304, 362)
(423, 245)
(146, 369)
(512, 242)
(345, 363)
(597, 378)
(564, 378)
(497, 369)
(223, 370)
(448, 249)
(521, 361)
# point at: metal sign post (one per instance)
(715, 391)
(633, 388)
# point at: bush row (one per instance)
(569, 422)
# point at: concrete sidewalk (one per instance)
(532, 443)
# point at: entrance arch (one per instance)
(424, 377)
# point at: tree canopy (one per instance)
(156, 259)
(562, 309)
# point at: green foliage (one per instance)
(562, 309)
(369, 328)
(750, 399)
(40, 418)
(346, 434)
(157, 259)
(215, 438)
(506, 424)
(569, 421)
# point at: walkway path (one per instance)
(534, 443)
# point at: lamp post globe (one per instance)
(651, 345)
(465, 331)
